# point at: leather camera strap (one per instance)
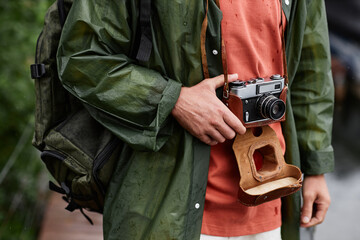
(203, 48)
(202, 42)
(224, 62)
(283, 46)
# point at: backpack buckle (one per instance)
(37, 70)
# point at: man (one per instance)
(167, 112)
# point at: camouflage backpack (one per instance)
(78, 151)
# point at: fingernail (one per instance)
(305, 220)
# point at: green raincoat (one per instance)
(158, 187)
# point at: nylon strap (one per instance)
(55, 188)
(71, 204)
(61, 10)
(145, 46)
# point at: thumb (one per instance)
(219, 80)
(307, 209)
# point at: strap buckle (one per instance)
(37, 70)
(226, 94)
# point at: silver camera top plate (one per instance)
(257, 86)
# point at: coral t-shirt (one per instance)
(252, 33)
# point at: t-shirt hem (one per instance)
(219, 231)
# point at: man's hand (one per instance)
(316, 200)
(200, 112)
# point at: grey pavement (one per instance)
(342, 220)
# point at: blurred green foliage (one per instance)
(20, 198)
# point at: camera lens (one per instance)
(270, 106)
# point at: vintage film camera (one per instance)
(258, 101)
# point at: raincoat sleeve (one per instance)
(93, 60)
(312, 94)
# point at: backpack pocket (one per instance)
(81, 154)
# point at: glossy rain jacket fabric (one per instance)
(158, 187)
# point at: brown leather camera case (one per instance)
(275, 179)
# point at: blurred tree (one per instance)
(20, 167)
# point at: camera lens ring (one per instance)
(270, 106)
(277, 109)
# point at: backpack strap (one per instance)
(145, 46)
(62, 14)
(68, 198)
(38, 70)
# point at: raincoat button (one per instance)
(287, 2)
(185, 23)
(197, 205)
(215, 52)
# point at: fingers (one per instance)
(233, 122)
(199, 111)
(316, 201)
(224, 125)
(219, 132)
(208, 140)
(219, 80)
(233, 77)
(321, 212)
(229, 118)
(318, 216)
(215, 136)
(307, 209)
(226, 131)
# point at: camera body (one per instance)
(262, 100)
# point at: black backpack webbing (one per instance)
(65, 190)
(145, 45)
(62, 14)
